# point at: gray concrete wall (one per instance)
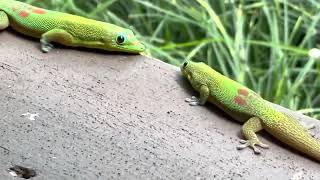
(104, 116)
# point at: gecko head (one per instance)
(195, 72)
(123, 40)
(186, 69)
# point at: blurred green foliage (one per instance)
(261, 43)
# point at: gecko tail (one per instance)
(301, 141)
(311, 147)
(298, 138)
(291, 132)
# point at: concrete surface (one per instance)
(108, 116)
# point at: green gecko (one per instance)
(66, 29)
(246, 106)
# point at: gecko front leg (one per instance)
(204, 95)
(55, 35)
(4, 20)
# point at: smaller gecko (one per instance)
(246, 106)
(66, 29)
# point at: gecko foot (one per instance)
(193, 101)
(45, 46)
(252, 144)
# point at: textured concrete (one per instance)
(104, 116)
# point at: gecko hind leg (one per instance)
(55, 35)
(4, 20)
(249, 130)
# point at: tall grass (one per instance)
(263, 44)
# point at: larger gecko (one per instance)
(66, 29)
(246, 106)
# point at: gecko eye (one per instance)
(120, 39)
(185, 64)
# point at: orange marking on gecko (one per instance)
(39, 11)
(239, 100)
(243, 92)
(24, 14)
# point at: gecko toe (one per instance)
(252, 144)
(256, 150)
(240, 147)
(188, 100)
(45, 46)
(194, 103)
(192, 99)
(45, 50)
(260, 144)
(243, 145)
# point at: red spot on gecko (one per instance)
(243, 92)
(239, 100)
(39, 11)
(24, 14)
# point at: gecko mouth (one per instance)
(134, 48)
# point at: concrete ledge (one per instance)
(120, 117)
